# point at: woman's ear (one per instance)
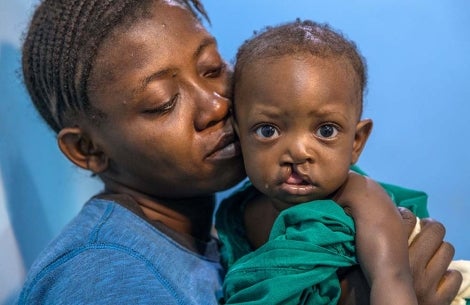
(81, 150)
(363, 130)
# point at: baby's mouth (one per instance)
(296, 185)
(295, 178)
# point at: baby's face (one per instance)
(297, 119)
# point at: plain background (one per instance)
(418, 55)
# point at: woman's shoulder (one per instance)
(105, 245)
(99, 222)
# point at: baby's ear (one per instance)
(81, 150)
(363, 130)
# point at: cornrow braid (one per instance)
(60, 47)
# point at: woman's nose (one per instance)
(211, 109)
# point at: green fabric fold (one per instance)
(307, 245)
(298, 264)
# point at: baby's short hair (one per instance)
(298, 37)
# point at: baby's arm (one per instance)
(381, 240)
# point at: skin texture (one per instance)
(299, 128)
(170, 144)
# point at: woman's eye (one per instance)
(267, 131)
(327, 131)
(215, 71)
(163, 108)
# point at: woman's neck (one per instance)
(192, 216)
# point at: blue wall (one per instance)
(419, 98)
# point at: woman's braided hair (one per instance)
(60, 47)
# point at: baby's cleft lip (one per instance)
(298, 184)
(295, 178)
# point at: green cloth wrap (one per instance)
(307, 245)
(299, 262)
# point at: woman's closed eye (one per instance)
(162, 108)
(216, 71)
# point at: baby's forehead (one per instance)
(316, 62)
(307, 70)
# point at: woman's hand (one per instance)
(429, 259)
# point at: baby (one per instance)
(298, 95)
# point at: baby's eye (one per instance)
(327, 131)
(267, 131)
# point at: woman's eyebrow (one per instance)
(205, 43)
(168, 71)
(150, 78)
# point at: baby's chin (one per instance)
(282, 202)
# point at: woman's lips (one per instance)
(226, 148)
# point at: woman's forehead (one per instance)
(169, 39)
(161, 35)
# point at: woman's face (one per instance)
(163, 88)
